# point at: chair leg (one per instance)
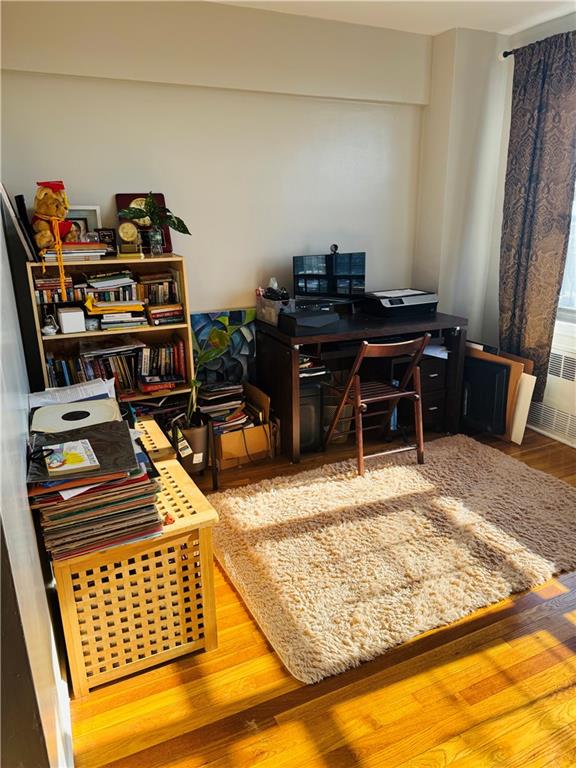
(418, 417)
(358, 426)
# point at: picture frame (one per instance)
(107, 235)
(28, 247)
(135, 200)
(86, 218)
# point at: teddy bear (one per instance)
(51, 203)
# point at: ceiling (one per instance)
(427, 18)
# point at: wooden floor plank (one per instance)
(493, 689)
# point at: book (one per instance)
(70, 458)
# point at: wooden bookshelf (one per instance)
(68, 343)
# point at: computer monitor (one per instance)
(330, 275)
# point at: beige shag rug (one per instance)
(337, 568)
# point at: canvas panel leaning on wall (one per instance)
(237, 362)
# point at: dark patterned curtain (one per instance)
(538, 198)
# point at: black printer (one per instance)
(399, 303)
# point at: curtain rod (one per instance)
(505, 54)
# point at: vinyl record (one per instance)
(59, 418)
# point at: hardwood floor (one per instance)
(495, 689)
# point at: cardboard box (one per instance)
(251, 444)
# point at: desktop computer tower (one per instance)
(310, 417)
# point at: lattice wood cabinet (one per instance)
(134, 606)
(157, 445)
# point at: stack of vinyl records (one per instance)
(224, 405)
(106, 497)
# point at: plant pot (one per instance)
(192, 446)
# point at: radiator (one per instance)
(556, 414)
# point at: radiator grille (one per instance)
(562, 366)
(552, 420)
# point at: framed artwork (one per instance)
(136, 200)
(84, 218)
(235, 364)
(27, 247)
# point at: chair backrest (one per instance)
(414, 349)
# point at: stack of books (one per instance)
(48, 291)
(224, 405)
(117, 298)
(159, 288)
(134, 365)
(165, 314)
(106, 499)
(77, 252)
(127, 312)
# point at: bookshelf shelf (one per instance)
(66, 345)
(167, 257)
(111, 332)
(154, 395)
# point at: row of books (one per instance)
(134, 365)
(107, 496)
(224, 404)
(153, 289)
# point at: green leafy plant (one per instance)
(214, 346)
(159, 215)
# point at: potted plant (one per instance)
(189, 430)
(159, 217)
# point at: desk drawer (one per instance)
(433, 410)
(432, 373)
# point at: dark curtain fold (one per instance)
(538, 198)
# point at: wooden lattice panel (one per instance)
(154, 440)
(136, 605)
(181, 498)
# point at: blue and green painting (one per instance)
(235, 363)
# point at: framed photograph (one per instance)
(85, 218)
(136, 200)
(79, 228)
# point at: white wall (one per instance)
(216, 45)
(459, 172)
(51, 691)
(554, 27)
(259, 178)
(434, 153)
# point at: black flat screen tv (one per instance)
(485, 392)
(330, 275)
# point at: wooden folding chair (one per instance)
(360, 394)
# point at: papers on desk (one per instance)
(436, 350)
(88, 390)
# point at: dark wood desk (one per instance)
(278, 353)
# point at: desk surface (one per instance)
(354, 327)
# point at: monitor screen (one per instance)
(334, 275)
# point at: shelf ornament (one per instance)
(49, 223)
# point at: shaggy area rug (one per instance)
(337, 568)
